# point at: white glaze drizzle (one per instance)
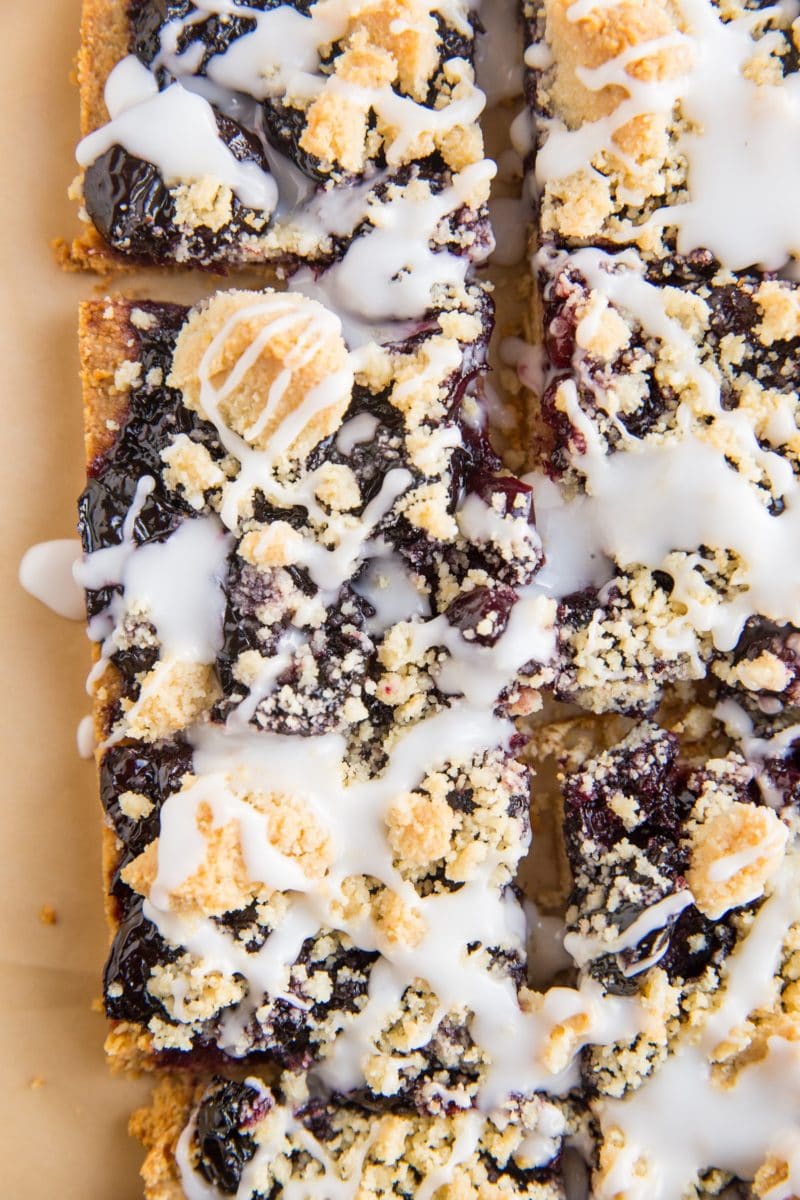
(85, 737)
(679, 1122)
(46, 572)
(176, 131)
(281, 1131)
(391, 273)
(584, 949)
(281, 56)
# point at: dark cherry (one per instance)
(155, 771)
(247, 590)
(733, 310)
(133, 210)
(650, 410)
(564, 435)
(650, 773)
(136, 949)
(244, 925)
(147, 18)
(560, 340)
(453, 43)
(577, 610)
(516, 496)
(781, 641)
(317, 1117)
(689, 963)
(223, 1144)
(216, 32)
(369, 460)
(287, 1032)
(130, 205)
(284, 127)
(155, 416)
(471, 608)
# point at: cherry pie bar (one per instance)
(249, 1140)
(665, 420)
(685, 879)
(222, 133)
(264, 589)
(332, 629)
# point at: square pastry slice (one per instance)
(685, 890)
(223, 133)
(665, 125)
(665, 417)
(252, 1141)
(304, 570)
(668, 498)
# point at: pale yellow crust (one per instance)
(104, 41)
(106, 340)
(158, 1128)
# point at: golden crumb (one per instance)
(734, 853)
(174, 694)
(299, 364)
(420, 827)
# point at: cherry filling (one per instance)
(225, 1139)
(652, 856)
(223, 1144)
(316, 703)
(155, 416)
(482, 614)
(135, 212)
(215, 33)
(154, 772)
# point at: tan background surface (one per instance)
(63, 1138)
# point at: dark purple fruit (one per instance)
(483, 604)
(216, 32)
(130, 205)
(136, 949)
(155, 771)
(223, 1144)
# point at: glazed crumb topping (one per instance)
(310, 119)
(300, 531)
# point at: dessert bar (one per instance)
(298, 639)
(685, 887)
(685, 906)
(222, 133)
(665, 420)
(664, 126)
(325, 614)
(250, 1141)
(685, 396)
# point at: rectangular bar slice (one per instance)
(685, 397)
(666, 126)
(665, 418)
(223, 133)
(304, 568)
(685, 889)
(250, 1141)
